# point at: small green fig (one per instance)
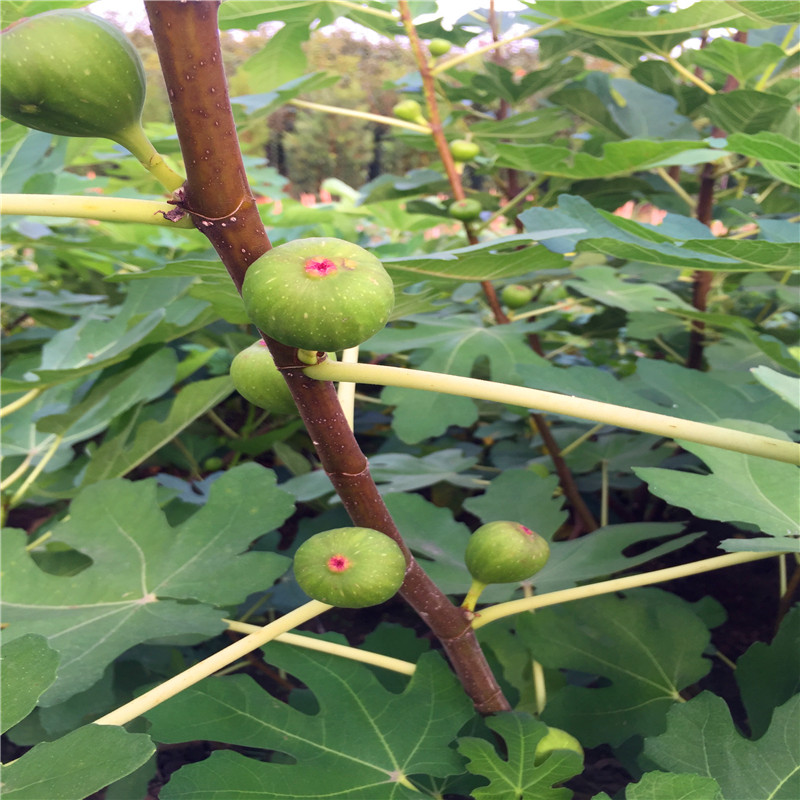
(555, 739)
(318, 294)
(505, 552)
(350, 567)
(259, 381)
(515, 296)
(410, 111)
(462, 150)
(465, 210)
(213, 463)
(73, 74)
(439, 47)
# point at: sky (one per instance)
(449, 10)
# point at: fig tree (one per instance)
(318, 294)
(465, 210)
(439, 47)
(462, 150)
(515, 296)
(72, 74)
(350, 567)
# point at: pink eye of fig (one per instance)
(320, 267)
(338, 563)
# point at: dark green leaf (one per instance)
(361, 743)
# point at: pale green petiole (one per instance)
(108, 209)
(568, 405)
(212, 664)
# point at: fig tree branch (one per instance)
(217, 193)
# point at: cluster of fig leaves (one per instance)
(148, 503)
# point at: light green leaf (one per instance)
(135, 443)
(515, 774)
(740, 60)
(607, 286)
(747, 110)
(143, 572)
(281, 59)
(740, 488)
(520, 495)
(726, 255)
(785, 386)
(619, 158)
(701, 738)
(769, 674)
(673, 786)
(29, 667)
(360, 743)
(648, 646)
(77, 765)
(632, 18)
(494, 260)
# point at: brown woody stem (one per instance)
(219, 197)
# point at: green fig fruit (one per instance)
(318, 294)
(410, 111)
(213, 463)
(515, 296)
(350, 567)
(72, 74)
(439, 47)
(505, 552)
(462, 150)
(465, 210)
(555, 739)
(259, 381)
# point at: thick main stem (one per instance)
(220, 199)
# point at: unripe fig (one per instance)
(515, 296)
(259, 381)
(438, 47)
(555, 739)
(213, 463)
(350, 567)
(410, 111)
(465, 210)
(73, 74)
(462, 150)
(318, 294)
(505, 552)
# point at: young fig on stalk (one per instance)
(463, 150)
(410, 111)
(515, 295)
(350, 567)
(259, 381)
(73, 74)
(439, 47)
(502, 552)
(318, 294)
(465, 210)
